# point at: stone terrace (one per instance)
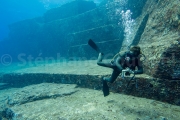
(88, 74)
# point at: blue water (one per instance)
(16, 10)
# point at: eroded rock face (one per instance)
(160, 39)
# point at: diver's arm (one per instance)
(139, 71)
(140, 68)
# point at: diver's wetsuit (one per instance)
(120, 63)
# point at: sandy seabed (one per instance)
(49, 101)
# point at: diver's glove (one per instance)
(129, 72)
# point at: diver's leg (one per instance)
(100, 63)
(113, 77)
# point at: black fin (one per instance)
(93, 45)
(105, 88)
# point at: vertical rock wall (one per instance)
(160, 39)
(157, 33)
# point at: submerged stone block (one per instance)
(84, 51)
(141, 86)
(98, 34)
(68, 10)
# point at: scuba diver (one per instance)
(126, 63)
(129, 59)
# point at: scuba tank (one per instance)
(141, 55)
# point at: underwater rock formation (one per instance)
(68, 10)
(160, 39)
(156, 31)
(63, 33)
(46, 34)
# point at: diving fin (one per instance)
(105, 85)
(93, 45)
(105, 88)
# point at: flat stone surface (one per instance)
(87, 67)
(64, 67)
(2, 84)
(84, 104)
(34, 92)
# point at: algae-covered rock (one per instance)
(160, 39)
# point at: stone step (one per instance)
(87, 74)
(110, 42)
(90, 19)
(4, 86)
(141, 86)
(98, 34)
(72, 8)
(86, 52)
